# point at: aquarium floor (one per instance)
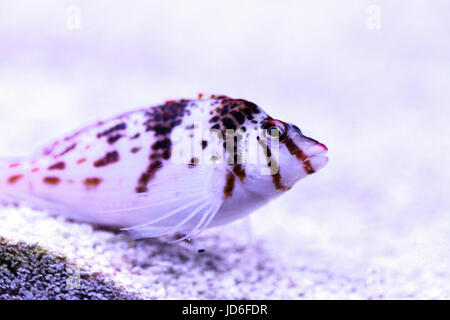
(250, 259)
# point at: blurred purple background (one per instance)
(370, 79)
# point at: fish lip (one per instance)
(321, 154)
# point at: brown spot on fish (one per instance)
(224, 110)
(214, 119)
(308, 167)
(82, 160)
(228, 124)
(137, 135)
(229, 185)
(155, 156)
(57, 166)
(239, 171)
(204, 144)
(148, 175)
(273, 166)
(109, 158)
(35, 170)
(239, 117)
(167, 154)
(52, 180)
(162, 144)
(276, 179)
(68, 149)
(135, 149)
(15, 178)
(114, 139)
(92, 182)
(194, 161)
(117, 127)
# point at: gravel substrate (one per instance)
(31, 272)
(257, 258)
(234, 264)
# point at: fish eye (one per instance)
(275, 129)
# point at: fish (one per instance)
(174, 168)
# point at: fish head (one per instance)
(285, 156)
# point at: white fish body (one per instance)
(177, 167)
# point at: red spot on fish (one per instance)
(52, 180)
(15, 178)
(57, 166)
(323, 146)
(200, 95)
(14, 165)
(82, 160)
(170, 101)
(35, 170)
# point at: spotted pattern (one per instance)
(61, 165)
(52, 180)
(193, 162)
(160, 120)
(67, 150)
(229, 185)
(92, 182)
(113, 134)
(15, 178)
(109, 158)
(232, 114)
(273, 166)
(114, 129)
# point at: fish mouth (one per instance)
(316, 156)
(312, 156)
(318, 161)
